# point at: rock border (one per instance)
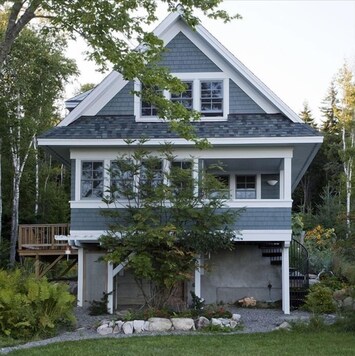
(108, 327)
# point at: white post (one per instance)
(198, 278)
(80, 295)
(287, 178)
(195, 174)
(110, 287)
(285, 278)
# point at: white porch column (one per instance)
(195, 173)
(285, 278)
(287, 178)
(110, 287)
(198, 278)
(80, 295)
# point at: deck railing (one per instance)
(41, 236)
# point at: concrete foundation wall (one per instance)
(95, 277)
(232, 275)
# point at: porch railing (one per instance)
(41, 236)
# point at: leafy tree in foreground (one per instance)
(28, 93)
(109, 27)
(166, 220)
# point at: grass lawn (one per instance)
(276, 343)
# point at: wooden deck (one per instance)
(38, 241)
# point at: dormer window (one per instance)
(207, 93)
(185, 98)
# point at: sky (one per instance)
(295, 47)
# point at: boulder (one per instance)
(118, 327)
(146, 326)
(215, 321)
(138, 326)
(104, 322)
(184, 324)
(159, 324)
(202, 322)
(283, 326)
(225, 322)
(104, 329)
(233, 324)
(348, 303)
(127, 327)
(236, 317)
(247, 302)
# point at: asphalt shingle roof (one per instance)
(237, 125)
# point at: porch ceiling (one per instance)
(264, 165)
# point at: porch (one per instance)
(37, 241)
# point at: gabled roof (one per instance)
(166, 30)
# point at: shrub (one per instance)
(99, 307)
(30, 306)
(216, 311)
(319, 300)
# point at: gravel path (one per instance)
(254, 320)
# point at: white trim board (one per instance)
(181, 141)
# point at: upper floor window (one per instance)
(121, 175)
(185, 98)
(207, 93)
(92, 179)
(147, 108)
(212, 98)
(245, 187)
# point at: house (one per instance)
(264, 146)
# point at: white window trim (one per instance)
(196, 79)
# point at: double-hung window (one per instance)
(245, 187)
(181, 177)
(185, 98)
(211, 98)
(121, 179)
(147, 108)
(92, 179)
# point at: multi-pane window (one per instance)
(92, 179)
(245, 187)
(148, 109)
(212, 98)
(121, 179)
(181, 176)
(151, 175)
(184, 98)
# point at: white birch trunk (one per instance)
(37, 176)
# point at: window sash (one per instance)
(211, 98)
(185, 98)
(121, 179)
(92, 179)
(245, 187)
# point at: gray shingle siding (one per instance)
(182, 55)
(121, 104)
(241, 103)
(251, 219)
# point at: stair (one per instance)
(298, 271)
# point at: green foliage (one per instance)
(319, 243)
(216, 311)
(163, 225)
(319, 300)
(218, 329)
(30, 306)
(197, 303)
(99, 307)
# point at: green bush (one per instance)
(319, 300)
(30, 306)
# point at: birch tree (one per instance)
(27, 96)
(346, 116)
